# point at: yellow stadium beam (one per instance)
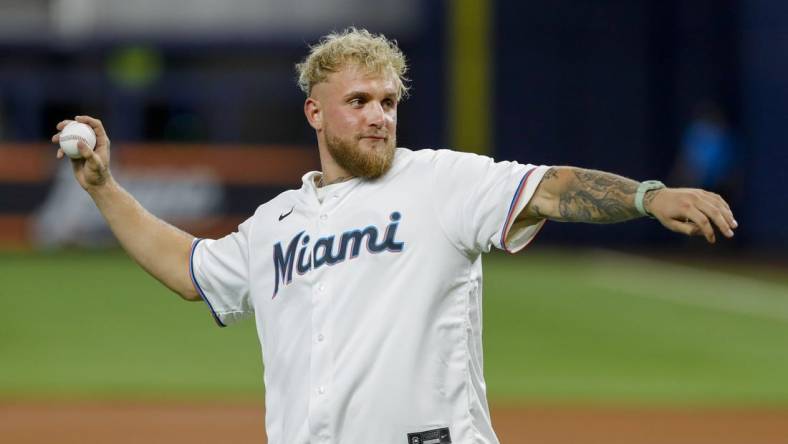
(470, 57)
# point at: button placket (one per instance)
(320, 365)
(321, 361)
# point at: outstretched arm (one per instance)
(569, 194)
(159, 248)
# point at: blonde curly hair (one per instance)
(374, 53)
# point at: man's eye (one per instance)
(355, 102)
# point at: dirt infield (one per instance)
(172, 423)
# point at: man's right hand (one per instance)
(160, 248)
(92, 170)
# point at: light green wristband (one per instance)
(641, 193)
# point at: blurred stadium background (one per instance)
(656, 338)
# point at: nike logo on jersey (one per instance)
(282, 216)
(323, 252)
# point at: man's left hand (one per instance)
(691, 211)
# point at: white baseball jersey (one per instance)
(368, 300)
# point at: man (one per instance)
(365, 283)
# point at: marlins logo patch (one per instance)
(437, 436)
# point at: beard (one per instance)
(368, 163)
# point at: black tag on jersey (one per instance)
(437, 436)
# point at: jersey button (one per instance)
(320, 337)
(324, 217)
(321, 390)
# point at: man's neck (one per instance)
(332, 173)
(321, 182)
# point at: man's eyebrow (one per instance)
(356, 94)
(366, 95)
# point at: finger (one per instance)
(703, 224)
(721, 200)
(60, 153)
(85, 151)
(89, 158)
(96, 124)
(712, 210)
(688, 228)
(728, 213)
(56, 138)
(62, 124)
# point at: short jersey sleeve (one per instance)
(220, 272)
(478, 200)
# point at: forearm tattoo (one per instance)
(597, 197)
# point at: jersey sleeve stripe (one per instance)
(197, 284)
(510, 216)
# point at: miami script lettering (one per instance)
(304, 257)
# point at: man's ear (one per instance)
(313, 113)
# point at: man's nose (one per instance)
(377, 116)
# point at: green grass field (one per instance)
(587, 327)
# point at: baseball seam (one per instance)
(70, 137)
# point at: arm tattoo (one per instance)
(597, 197)
(550, 175)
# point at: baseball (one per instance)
(73, 133)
